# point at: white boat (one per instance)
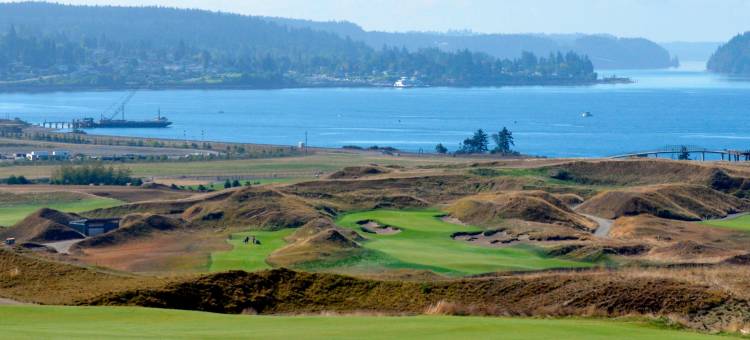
(405, 82)
(586, 114)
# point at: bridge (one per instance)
(689, 150)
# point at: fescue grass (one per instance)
(425, 243)
(741, 223)
(249, 257)
(282, 167)
(55, 322)
(254, 182)
(13, 212)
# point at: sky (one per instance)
(659, 20)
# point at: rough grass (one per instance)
(10, 213)
(425, 243)
(249, 257)
(288, 167)
(37, 322)
(741, 223)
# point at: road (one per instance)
(63, 247)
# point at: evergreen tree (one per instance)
(503, 141)
(227, 184)
(441, 149)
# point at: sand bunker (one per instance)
(373, 227)
(490, 238)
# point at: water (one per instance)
(683, 106)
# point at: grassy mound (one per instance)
(257, 207)
(535, 206)
(641, 172)
(315, 226)
(328, 245)
(681, 241)
(673, 201)
(133, 227)
(44, 225)
(354, 172)
(284, 291)
(24, 277)
(75, 322)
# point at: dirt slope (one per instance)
(674, 201)
(680, 241)
(534, 206)
(132, 228)
(254, 207)
(284, 291)
(44, 225)
(30, 279)
(325, 246)
(355, 172)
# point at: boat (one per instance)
(90, 123)
(109, 121)
(586, 114)
(406, 82)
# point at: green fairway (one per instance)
(741, 223)
(10, 213)
(249, 257)
(425, 243)
(52, 322)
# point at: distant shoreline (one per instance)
(36, 88)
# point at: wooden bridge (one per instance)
(671, 150)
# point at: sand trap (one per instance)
(452, 220)
(492, 238)
(373, 227)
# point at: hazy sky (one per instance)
(660, 20)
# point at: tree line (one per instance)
(96, 174)
(118, 48)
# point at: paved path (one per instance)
(605, 225)
(63, 247)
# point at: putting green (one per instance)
(14, 212)
(249, 257)
(53, 322)
(425, 243)
(741, 223)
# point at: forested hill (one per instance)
(45, 46)
(733, 57)
(605, 51)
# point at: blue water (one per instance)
(683, 106)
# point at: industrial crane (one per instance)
(119, 109)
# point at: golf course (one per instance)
(424, 241)
(741, 223)
(47, 322)
(250, 257)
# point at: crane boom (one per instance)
(120, 109)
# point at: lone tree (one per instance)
(503, 141)
(441, 149)
(478, 143)
(227, 184)
(684, 154)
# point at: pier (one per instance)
(690, 150)
(57, 125)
